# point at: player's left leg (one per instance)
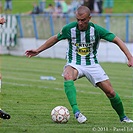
(114, 99)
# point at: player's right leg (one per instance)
(70, 74)
(4, 115)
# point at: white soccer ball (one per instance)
(60, 114)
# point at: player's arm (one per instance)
(49, 43)
(123, 47)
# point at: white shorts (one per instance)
(94, 73)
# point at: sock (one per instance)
(118, 106)
(70, 91)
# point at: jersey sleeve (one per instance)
(62, 34)
(105, 34)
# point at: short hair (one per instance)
(83, 9)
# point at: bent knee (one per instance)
(67, 76)
(70, 73)
(110, 94)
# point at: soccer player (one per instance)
(3, 114)
(83, 38)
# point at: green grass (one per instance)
(23, 6)
(123, 6)
(30, 100)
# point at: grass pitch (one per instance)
(30, 100)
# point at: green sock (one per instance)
(70, 91)
(118, 106)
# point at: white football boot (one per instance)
(127, 120)
(80, 117)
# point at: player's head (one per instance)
(83, 17)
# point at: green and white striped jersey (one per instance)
(83, 45)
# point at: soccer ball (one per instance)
(60, 114)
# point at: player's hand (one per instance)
(30, 53)
(2, 20)
(130, 62)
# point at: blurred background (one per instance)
(31, 22)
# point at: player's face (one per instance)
(83, 21)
